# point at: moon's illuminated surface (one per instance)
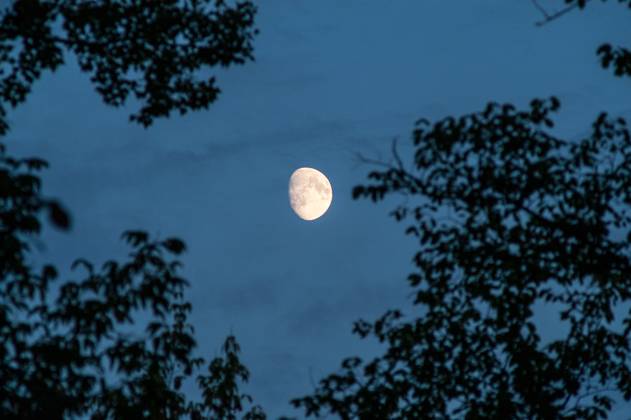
(310, 193)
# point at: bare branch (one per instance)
(548, 17)
(363, 159)
(396, 155)
(543, 11)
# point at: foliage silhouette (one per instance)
(68, 350)
(618, 58)
(129, 48)
(508, 217)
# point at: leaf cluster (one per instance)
(508, 218)
(152, 52)
(618, 58)
(76, 348)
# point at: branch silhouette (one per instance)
(549, 17)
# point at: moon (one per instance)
(310, 193)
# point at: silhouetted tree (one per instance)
(152, 51)
(509, 219)
(69, 349)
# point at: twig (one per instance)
(363, 159)
(548, 17)
(543, 11)
(396, 156)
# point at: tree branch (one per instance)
(548, 17)
(539, 7)
(395, 154)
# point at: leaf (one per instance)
(58, 215)
(135, 237)
(174, 245)
(36, 163)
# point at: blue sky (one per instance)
(331, 79)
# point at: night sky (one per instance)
(331, 79)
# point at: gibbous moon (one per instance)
(310, 193)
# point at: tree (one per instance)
(68, 349)
(153, 53)
(70, 354)
(508, 218)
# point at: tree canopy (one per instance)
(77, 348)
(69, 351)
(154, 53)
(510, 219)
